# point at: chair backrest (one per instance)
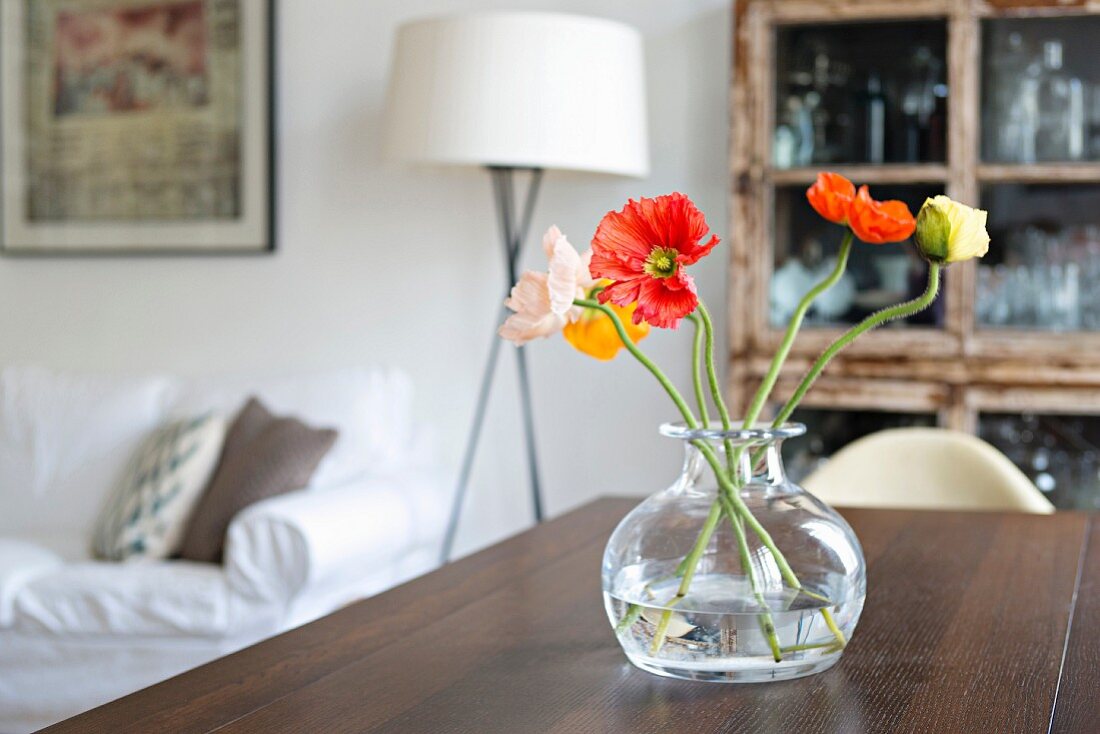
(925, 468)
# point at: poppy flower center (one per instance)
(661, 262)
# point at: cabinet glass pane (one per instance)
(1040, 89)
(860, 93)
(828, 431)
(877, 275)
(1060, 453)
(1042, 271)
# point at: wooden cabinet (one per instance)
(916, 98)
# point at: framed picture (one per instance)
(136, 127)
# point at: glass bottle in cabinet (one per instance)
(1059, 104)
(860, 92)
(1039, 83)
(1010, 134)
(1044, 273)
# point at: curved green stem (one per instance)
(688, 566)
(715, 387)
(696, 369)
(767, 624)
(727, 486)
(768, 383)
(878, 318)
(639, 355)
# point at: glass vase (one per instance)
(770, 597)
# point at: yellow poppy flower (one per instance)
(949, 232)
(594, 334)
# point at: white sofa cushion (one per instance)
(20, 563)
(149, 509)
(315, 541)
(137, 599)
(65, 440)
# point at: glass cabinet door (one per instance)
(1040, 90)
(872, 92)
(1042, 271)
(829, 430)
(877, 276)
(1060, 453)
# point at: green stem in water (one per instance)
(687, 566)
(696, 553)
(726, 486)
(767, 625)
(696, 369)
(901, 310)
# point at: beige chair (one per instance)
(925, 468)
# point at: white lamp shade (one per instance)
(519, 89)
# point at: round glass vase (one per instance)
(742, 617)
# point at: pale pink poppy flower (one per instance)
(543, 302)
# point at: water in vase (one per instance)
(716, 632)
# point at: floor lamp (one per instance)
(513, 93)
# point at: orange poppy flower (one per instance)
(595, 335)
(879, 222)
(831, 196)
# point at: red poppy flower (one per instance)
(878, 222)
(643, 251)
(831, 196)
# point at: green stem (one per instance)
(687, 566)
(666, 383)
(712, 378)
(767, 625)
(691, 562)
(812, 646)
(901, 310)
(696, 553)
(696, 369)
(734, 496)
(768, 384)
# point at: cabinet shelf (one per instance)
(1039, 173)
(931, 173)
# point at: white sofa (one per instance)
(76, 632)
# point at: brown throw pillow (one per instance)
(264, 456)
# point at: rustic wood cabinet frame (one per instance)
(958, 370)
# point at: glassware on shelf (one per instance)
(869, 92)
(1010, 130)
(1093, 141)
(922, 106)
(795, 135)
(1058, 98)
(1061, 454)
(1049, 280)
(872, 109)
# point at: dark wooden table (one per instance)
(975, 622)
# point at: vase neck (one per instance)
(751, 456)
(758, 465)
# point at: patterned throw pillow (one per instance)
(149, 509)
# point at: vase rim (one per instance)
(758, 434)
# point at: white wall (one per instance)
(384, 265)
